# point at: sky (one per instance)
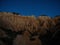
(31, 7)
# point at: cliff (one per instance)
(16, 29)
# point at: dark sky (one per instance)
(31, 7)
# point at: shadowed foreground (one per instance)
(29, 30)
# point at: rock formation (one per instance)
(28, 30)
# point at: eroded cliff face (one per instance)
(28, 30)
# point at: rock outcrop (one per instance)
(28, 30)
